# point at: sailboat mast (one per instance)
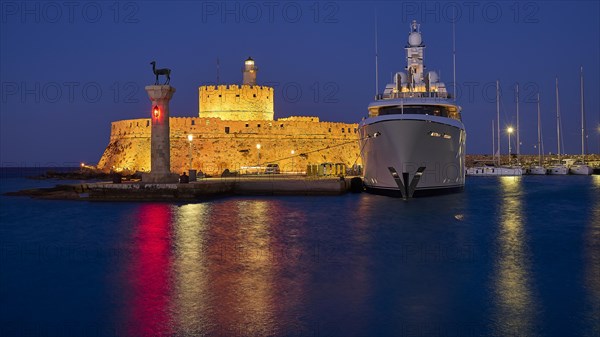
(493, 141)
(518, 139)
(557, 120)
(539, 143)
(498, 117)
(582, 119)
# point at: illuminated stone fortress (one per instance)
(235, 128)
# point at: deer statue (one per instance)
(164, 71)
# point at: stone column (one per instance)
(160, 153)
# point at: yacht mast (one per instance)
(498, 117)
(518, 139)
(493, 141)
(557, 121)
(582, 119)
(539, 143)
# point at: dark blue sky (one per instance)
(68, 70)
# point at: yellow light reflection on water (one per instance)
(514, 307)
(592, 261)
(254, 283)
(222, 269)
(189, 268)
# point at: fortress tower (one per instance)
(249, 70)
(237, 102)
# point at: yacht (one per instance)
(413, 140)
(493, 170)
(558, 167)
(538, 169)
(580, 167)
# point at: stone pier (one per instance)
(160, 152)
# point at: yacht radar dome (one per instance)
(414, 38)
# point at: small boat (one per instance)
(482, 169)
(558, 168)
(492, 171)
(537, 170)
(581, 168)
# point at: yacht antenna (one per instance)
(376, 60)
(454, 52)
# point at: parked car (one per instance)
(272, 169)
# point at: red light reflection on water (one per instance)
(149, 273)
(217, 270)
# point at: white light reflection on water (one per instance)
(514, 307)
(592, 265)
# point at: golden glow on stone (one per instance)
(236, 102)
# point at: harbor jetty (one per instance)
(203, 189)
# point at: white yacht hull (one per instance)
(494, 171)
(407, 142)
(537, 170)
(558, 170)
(581, 170)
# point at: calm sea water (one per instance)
(509, 256)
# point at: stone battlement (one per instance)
(236, 102)
(300, 118)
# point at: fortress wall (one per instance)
(214, 149)
(236, 102)
(130, 128)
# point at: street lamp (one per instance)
(258, 153)
(190, 137)
(509, 130)
(292, 152)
